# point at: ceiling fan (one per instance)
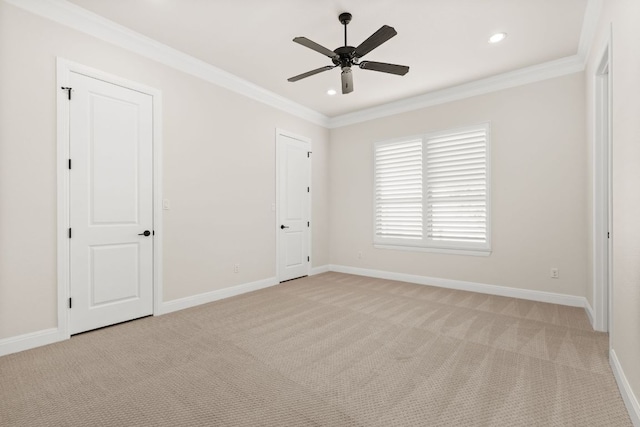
(347, 56)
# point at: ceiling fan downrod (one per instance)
(345, 18)
(345, 61)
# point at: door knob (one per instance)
(146, 233)
(282, 227)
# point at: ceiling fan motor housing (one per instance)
(345, 56)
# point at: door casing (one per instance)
(64, 68)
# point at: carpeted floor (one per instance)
(329, 350)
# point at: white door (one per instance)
(111, 204)
(293, 225)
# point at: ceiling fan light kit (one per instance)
(347, 80)
(347, 56)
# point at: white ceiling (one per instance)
(443, 41)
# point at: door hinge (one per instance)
(308, 259)
(70, 305)
(68, 89)
(309, 154)
(307, 223)
(69, 233)
(307, 189)
(69, 163)
(608, 235)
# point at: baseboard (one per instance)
(550, 297)
(319, 270)
(590, 314)
(29, 341)
(49, 336)
(630, 400)
(192, 301)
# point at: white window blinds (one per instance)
(456, 186)
(398, 190)
(433, 191)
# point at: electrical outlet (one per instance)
(555, 273)
(236, 268)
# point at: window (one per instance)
(432, 192)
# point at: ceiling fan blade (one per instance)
(400, 70)
(315, 46)
(311, 73)
(376, 39)
(347, 80)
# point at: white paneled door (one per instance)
(293, 224)
(111, 204)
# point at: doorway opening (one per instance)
(602, 233)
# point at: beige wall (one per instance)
(539, 204)
(621, 17)
(219, 172)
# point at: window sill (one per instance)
(470, 252)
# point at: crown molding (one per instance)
(82, 20)
(589, 28)
(535, 73)
(560, 67)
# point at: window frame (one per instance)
(426, 244)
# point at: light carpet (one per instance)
(328, 350)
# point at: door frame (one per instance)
(64, 69)
(279, 133)
(602, 193)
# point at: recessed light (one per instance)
(497, 37)
(331, 92)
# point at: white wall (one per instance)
(219, 172)
(621, 18)
(538, 183)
